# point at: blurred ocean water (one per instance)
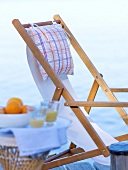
(101, 29)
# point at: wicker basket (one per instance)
(11, 160)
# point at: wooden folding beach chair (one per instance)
(73, 153)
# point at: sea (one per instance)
(101, 28)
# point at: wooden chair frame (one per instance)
(76, 154)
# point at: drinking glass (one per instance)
(51, 112)
(44, 106)
(37, 119)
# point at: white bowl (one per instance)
(14, 120)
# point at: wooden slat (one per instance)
(57, 93)
(65, 153)
(92, 94)
(92, 68)
(95, 104)
(57, 156)
(122, 137)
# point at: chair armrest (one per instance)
(122, 137)
(95, 104)
(119, 89)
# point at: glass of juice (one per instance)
(51, 112)
(36, 117)
(44, 106)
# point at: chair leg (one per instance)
(74, 155)
(72, 145)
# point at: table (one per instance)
(11, 160)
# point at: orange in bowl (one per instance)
(13, 107)
(24, 109)
(12, 114)
(16, 99)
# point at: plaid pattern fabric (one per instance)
(52, 42)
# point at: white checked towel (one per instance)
(52, 41)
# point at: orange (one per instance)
(15, 99)
(24, 109)
(13, 107)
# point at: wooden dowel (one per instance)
(122, 137)
(96, 104)
(41, 23)
(119, 89)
